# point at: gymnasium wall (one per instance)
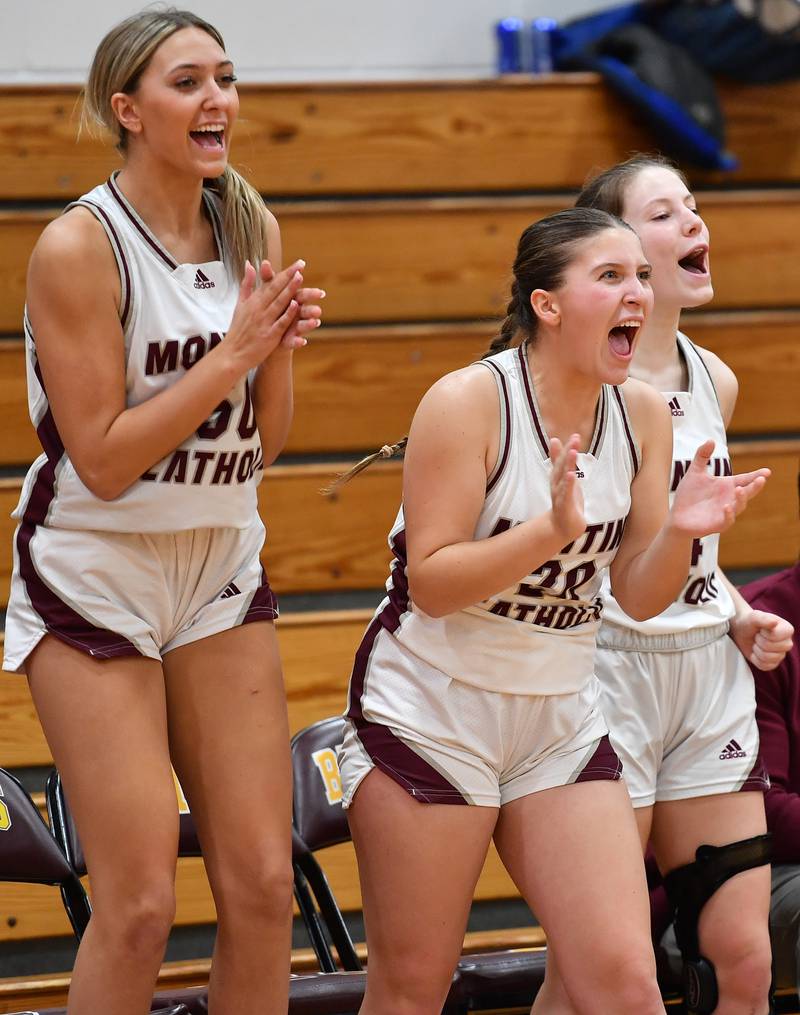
(53, 41)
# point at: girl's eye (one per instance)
(184, 83)
(645, 275)
(661, 216)
(228, 79)
(609, 274)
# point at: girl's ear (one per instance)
(545, 307)
(126, 112)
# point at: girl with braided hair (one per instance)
(473, 706)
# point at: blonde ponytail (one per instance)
(244, 219)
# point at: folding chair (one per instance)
(486, 980)
(310, 994)
(29, 854)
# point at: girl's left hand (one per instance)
(309, 316)
(705, 503)
(762, 638)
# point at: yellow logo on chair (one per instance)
(328, 766)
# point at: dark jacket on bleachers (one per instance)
(778, 714)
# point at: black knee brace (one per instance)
(689, 888)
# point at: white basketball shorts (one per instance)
(682, 714)
(114, 594)
(447, 742)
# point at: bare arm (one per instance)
(452, 447)
(654, 557)
(80, 349)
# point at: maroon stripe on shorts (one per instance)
(264, 604)
(387, 751)
(603, 764)
(59, 618)
(758, 779)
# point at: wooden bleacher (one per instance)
(407, 208)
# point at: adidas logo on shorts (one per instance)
(202, 281)
(675, 407)
(732, 750)
(230, 590)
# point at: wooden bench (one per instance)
(317, 543)
(450, 258)
(358, 387)
(505, 134)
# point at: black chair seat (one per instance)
(506, 979)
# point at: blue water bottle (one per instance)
(541, 36)
(509, 34)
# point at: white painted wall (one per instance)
(285, 40)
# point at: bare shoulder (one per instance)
(73, 238)
(470, 390)
(459, 409)
(648, 411)
(73, 277)
(724, 381)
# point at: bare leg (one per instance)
(418, 864)
(106, 725)
(574, 854)
(229, 736)
(734, 923)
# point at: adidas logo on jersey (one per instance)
(202, 281)
(732, 750)
(230, 590)
(675, 407)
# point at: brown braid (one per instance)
(387, 451)
(504, 339)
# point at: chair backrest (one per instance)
(66, 834)
(319, 821)
(318, 813)
(29, 853)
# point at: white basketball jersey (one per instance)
(696, 416)
(172, 315)
(538, 636)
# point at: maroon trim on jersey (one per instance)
(534, 409)
(603, 764)
(120, 252)
(216, 224)
(59, 618)
(502, 458)
(628, 432)
(386, 750)
(689, 344)
(758, 779)
(136, 221)
(264, 604)
(600, 423)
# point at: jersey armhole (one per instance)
(694, 349)
(504, 442)
(633, 444)
(125, 288)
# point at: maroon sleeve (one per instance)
(783, 805)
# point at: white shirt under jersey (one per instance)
(704, 600)
(171, 315)
(538, 636)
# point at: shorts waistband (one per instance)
(627, 639)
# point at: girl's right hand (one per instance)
(565, 493)
(264, 315)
